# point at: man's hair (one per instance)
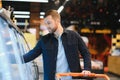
(53, 13)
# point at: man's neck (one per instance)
(59, 31)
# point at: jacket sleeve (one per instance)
(35, 52)
(84, 53)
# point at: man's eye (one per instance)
(48, 23)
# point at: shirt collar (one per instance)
(64, 32)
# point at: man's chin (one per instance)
(50, 31)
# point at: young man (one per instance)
(60, 49)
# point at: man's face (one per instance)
(51, 24)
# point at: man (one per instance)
(60, 49)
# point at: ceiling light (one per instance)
(60, 9)
(41, 16)
(22, 16)
(21, 23)
(42, 1)
(21, 12)
(42, 13)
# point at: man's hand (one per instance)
(86, 72)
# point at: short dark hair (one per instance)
(53, 13)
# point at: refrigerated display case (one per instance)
(12, 46)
